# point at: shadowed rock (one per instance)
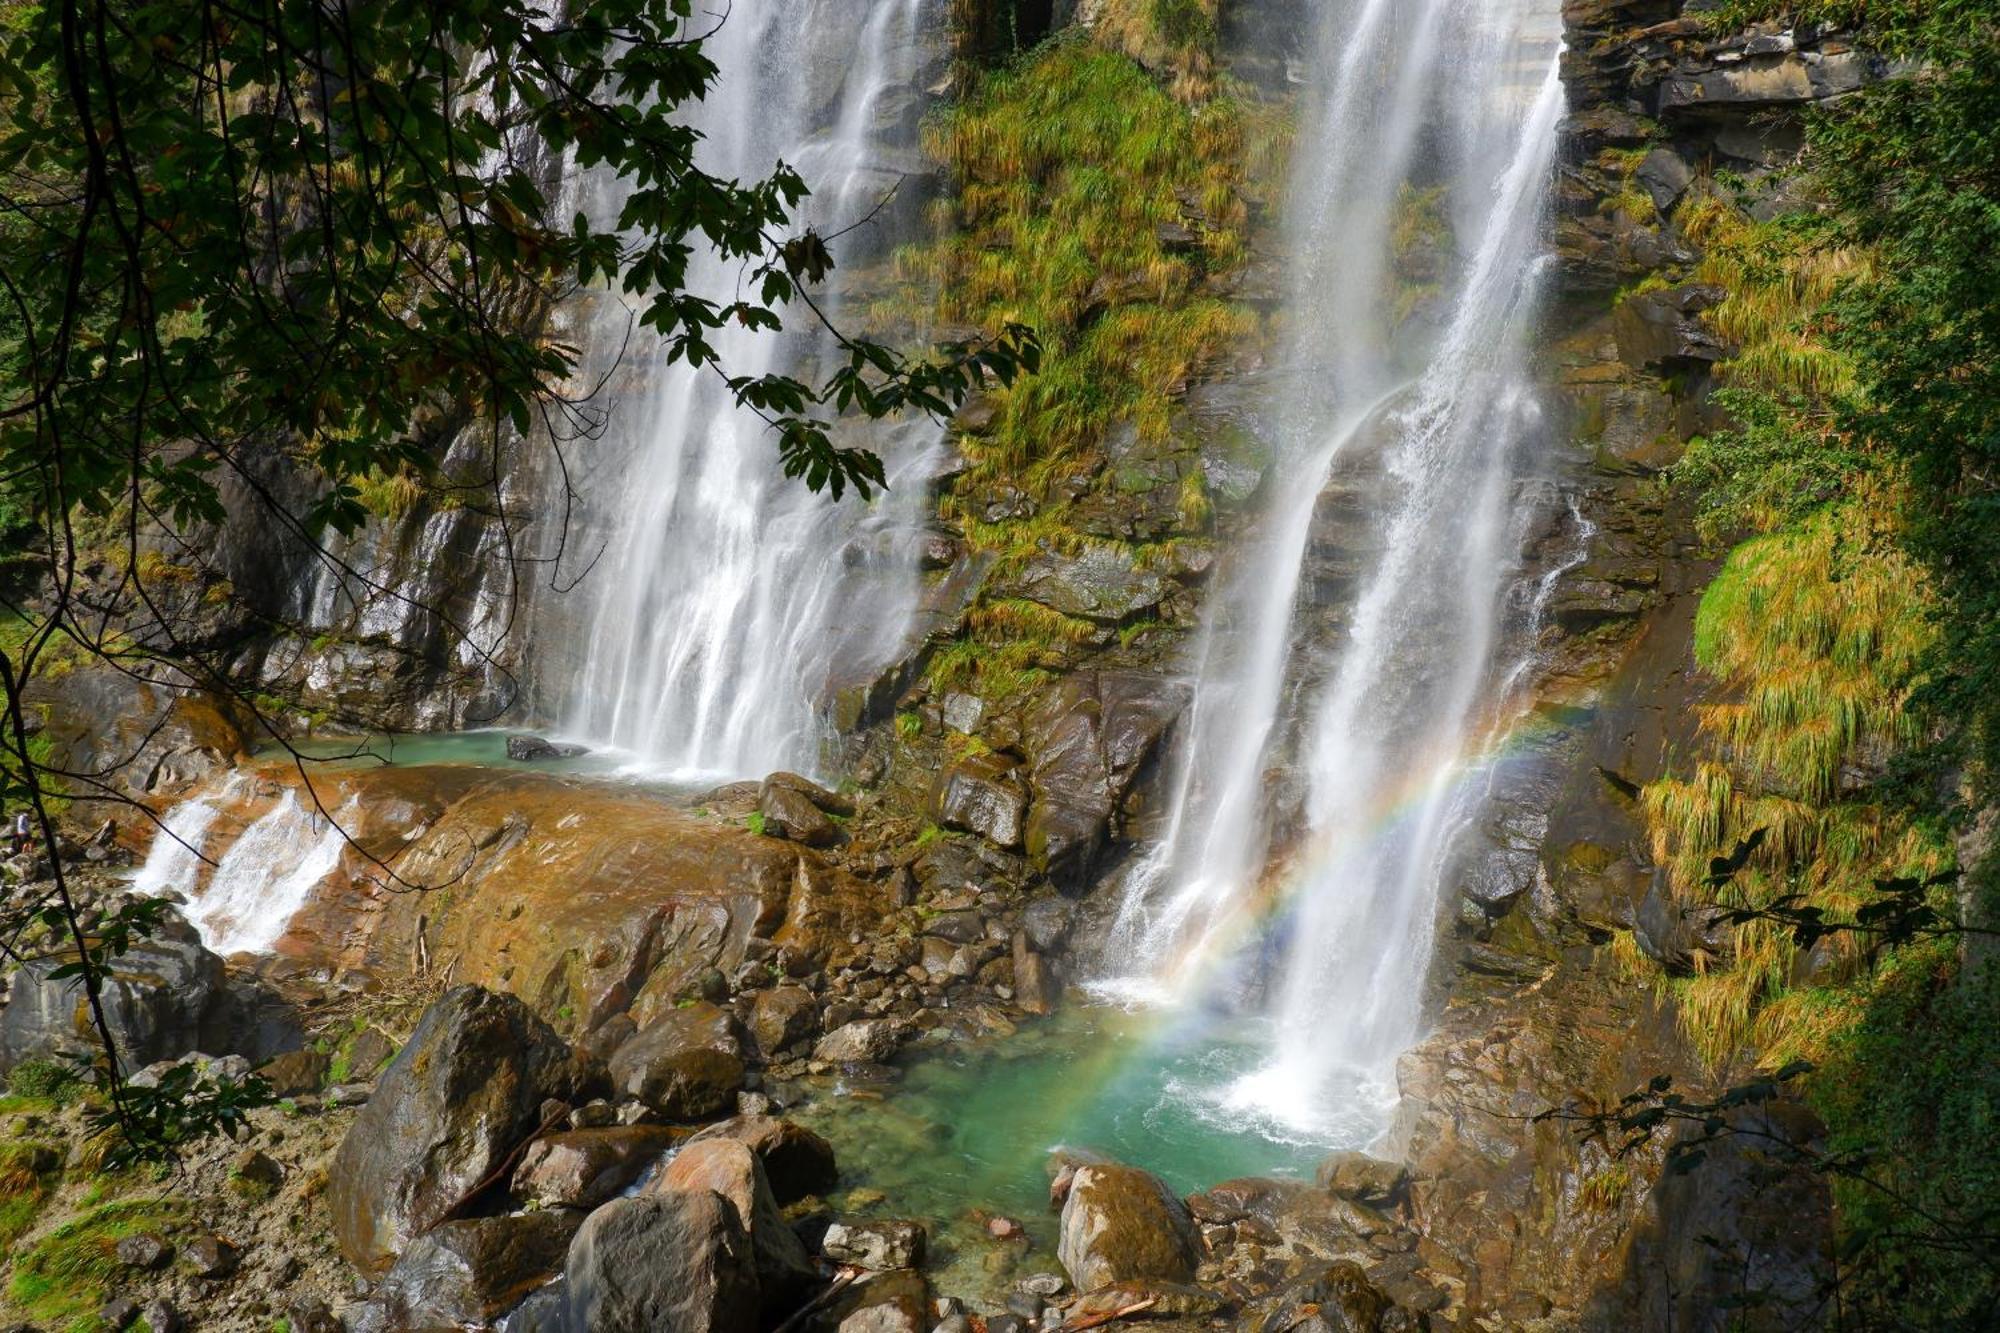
(687, 1065)
(662, 1263)
(467, 1087)
(468, 1273)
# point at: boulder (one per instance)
(864, 1041)
(790, 813)
(1663, 329)
(728, 1168)
(1104, 583)
(1337, 1299)
(983, 794)
(468, 1273)
(781, 1017)
(1370, 1180)
(662, 1263)
(582, 1168)
(1087, 740)
(1045, 921)
(466, 1089)
(534, 749)
(797, 1162)
(891, 1302)
(876, 1246)
(1035, 986)
(156, 998)
(963, 925)
(1121, 1224)
(832, 802)
(295, 1072)
(687, 1065)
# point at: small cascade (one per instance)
(731, 601)
(1358, 666)
(249, 897)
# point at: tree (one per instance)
(327, 229)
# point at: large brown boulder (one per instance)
(465, 1090)
(662, 1263)
(1121, 1224)
(687, 1065)
(728, 1168)
(983, 794)
(582, 1168)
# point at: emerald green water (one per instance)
(969, 1131)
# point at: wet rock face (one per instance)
(156, 999)
(468, 1273)
(1121, 1224)
(1087, 740)
(680, 1262)
(582, 1168)
(983, 795)
(686, 1065)
(151, 740)
(466, 1088)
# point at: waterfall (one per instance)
(263, 878)
(1408, 429)
(731, 602)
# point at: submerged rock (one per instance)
(680, 1262)
(875, 1245)
(1121, 1224)
(864, 1041)
(467, 1087)
(534, 749)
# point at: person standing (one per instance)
(21, 835)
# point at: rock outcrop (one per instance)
(1121, 1224)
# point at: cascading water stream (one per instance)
(732, 601)
(1320, 922)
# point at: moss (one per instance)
(54, 1082)
(70, 1271)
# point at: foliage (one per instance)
(323, 240)
(45, 1080)
(1773, 467)
(29, 1172)
(152, 1123)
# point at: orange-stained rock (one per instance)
(587, 898)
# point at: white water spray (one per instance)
(732, 601)
(1441, 107)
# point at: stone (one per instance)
(1104, 583)
(662, 1263)
(891, 1302)
(536, 749)
(797, 1162)
(469, 1272)
(1165, 1300)
(1088, 738)
(156, 997)
(962, 925)
(791, 814)
(1370, 1180)
(368, 1052)
(1665, 175)
(118, 1313)
(582, 1168)
(1663, 329)
(1035, 985)
(256, 1172)
(1046, 922)
(864, 1041)
(876, 1246)
(832, 802)
(144, 1251)
(211, 1257)
(782, 1017)
(295, 1072)
(1121, 1224)
(310, 1314)
(984, 795)
(962, 712)
(688, 1064)
(727, 1167)
(162, 1317)
(466, 1089)
(1338, 1298)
